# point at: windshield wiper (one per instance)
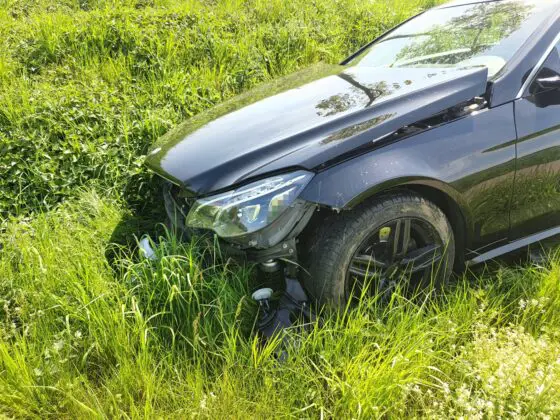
(427, 57)
(404, 37)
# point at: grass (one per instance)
(89, 329)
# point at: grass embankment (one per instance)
(88, 329)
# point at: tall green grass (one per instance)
(88, 328)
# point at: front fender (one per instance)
(471, 160)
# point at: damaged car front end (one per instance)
(261, 219)
(257, 222)
(399, 161)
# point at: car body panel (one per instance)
(471, 160)
(536, 203)
(310, 125)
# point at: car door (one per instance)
(536, 199)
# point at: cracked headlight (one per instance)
(250, 207)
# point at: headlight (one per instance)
(248, 208)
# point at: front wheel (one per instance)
(400, 239)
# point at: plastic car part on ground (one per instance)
(146, 249)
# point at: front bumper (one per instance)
(286, 250)
(278, 240)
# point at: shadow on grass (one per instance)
(146, 219)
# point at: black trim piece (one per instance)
(512, 246)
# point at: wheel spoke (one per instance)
(423, 258)
(401, 250)
(365, 273)
(405, 236)
(393, 242)
(368, 261)
(399, 239)
(395, 235)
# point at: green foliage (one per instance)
(80, 336)
(86, 86)
(87, 328)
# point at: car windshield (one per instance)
(483, 34)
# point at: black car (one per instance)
(434, 146)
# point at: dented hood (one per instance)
(305, 120)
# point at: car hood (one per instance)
(305, 120)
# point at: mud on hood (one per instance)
(304, 120)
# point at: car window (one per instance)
(482, 34)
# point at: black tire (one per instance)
(331, 247)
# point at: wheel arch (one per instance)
(441, 194)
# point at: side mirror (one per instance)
(547, 83)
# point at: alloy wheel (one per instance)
(404, 250)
